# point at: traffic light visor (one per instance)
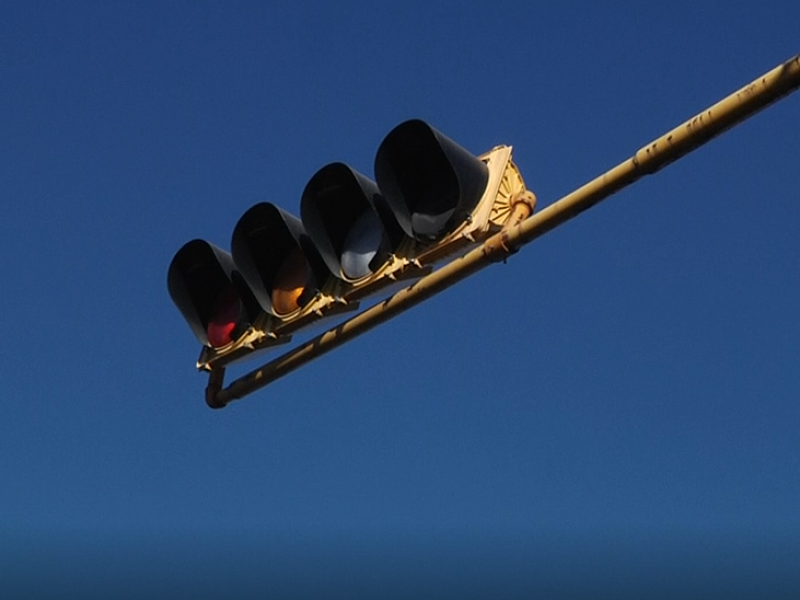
(276, 259)
(349, 221)
(431, 183)
(206, 288)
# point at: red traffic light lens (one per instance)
(224, 319)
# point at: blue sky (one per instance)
(619, 400)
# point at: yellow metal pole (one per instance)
(671, 146)
(731, 110)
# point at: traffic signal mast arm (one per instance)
(520, 230)
(680, 141)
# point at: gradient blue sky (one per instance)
(616, 406)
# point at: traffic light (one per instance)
(431, 200)
(444, 198)
(431, 183)
(283, 268)
(355, 231)
(349, 222)
(206, 286)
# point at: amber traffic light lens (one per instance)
(290, 282)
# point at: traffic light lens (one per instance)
(224, 319)
(361, 245)
(431, 183)
(290, 282)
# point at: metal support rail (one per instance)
(682, 140)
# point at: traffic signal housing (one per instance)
(431, 201)
(209, 291)
(283, 268)
(431, 183)
(444, 198)
(355, 231)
